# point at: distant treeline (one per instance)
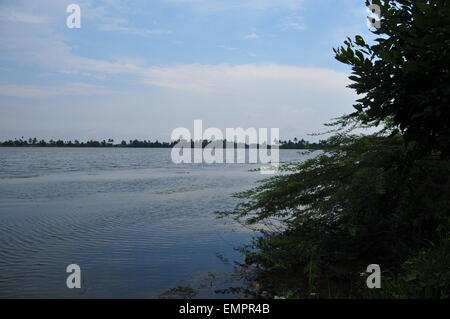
(34, 142)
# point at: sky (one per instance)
(140, 69)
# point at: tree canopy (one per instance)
(404, 76)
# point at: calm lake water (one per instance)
(135, 223)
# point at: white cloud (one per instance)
(12, 15)
(252, 36)
(39, 92)
(297, 26)
(40, 46)
(25, 91)
(129, 30)
(219, 5)
(225, 47)
(229, 78)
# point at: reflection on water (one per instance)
(136, 224)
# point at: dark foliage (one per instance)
(377, 199)
(404, 77)
(296, 144)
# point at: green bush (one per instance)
(427, 275)
(376, 199)
(324, 220)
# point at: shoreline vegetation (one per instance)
(34, 142)
(378, 199)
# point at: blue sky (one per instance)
(139, 69)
